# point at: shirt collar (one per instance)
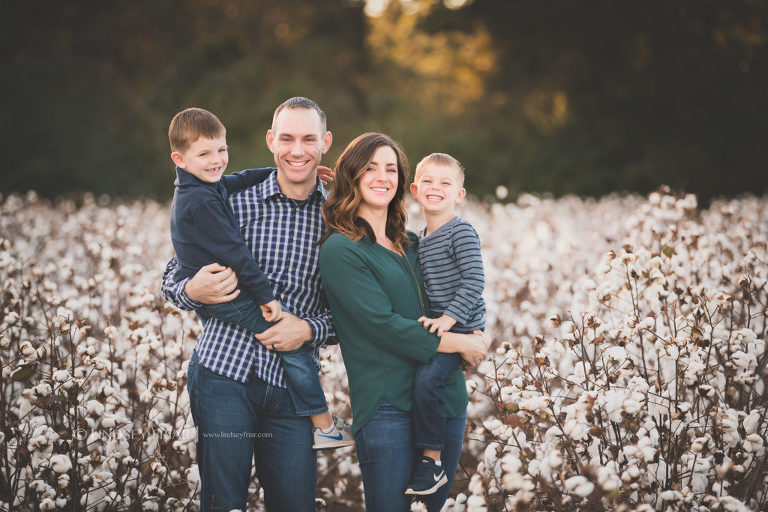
(184, 178)
(270, 188)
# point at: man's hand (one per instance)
(441, 325)
(325, 174)
(290, 333)
(213, 284)
(271, 311)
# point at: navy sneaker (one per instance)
(340, 436)
(427, 477)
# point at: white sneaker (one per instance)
(340, 436)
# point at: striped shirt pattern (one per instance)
(282, 235)
(452, 266)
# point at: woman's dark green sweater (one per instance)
(374, 298)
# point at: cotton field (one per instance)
(628, 369)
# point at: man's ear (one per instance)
(414, 191)
(270, 139)
(177, 159)
(327, 139)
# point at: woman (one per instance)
(372, 278)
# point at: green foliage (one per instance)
(564, 97)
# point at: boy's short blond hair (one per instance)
(440, 159)
(192, 123)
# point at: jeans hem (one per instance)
(426, 446)
(312, 412)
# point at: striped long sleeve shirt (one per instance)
(452, 266)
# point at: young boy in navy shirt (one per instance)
(204, 231)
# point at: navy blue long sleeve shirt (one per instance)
(204, 230)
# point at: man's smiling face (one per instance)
(298, 142)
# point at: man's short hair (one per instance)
(192, 123)
(440, 159)
(300, 102)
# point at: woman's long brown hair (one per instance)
(340, 211)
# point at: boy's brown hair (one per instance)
(192, 123)
(443, 159)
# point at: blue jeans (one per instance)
(300, 372)
(236, 422)
(429, 400)
(387, 457)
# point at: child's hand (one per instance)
(441, 325)
(325, 174)
(272, 311)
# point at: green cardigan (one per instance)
(374, 298)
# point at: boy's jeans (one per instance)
(429, 400)
(300, 372)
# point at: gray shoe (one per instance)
(340, 436)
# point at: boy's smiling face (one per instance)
(438, 189)
(205, 158)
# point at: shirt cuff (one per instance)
(184, 299)
(320, 332)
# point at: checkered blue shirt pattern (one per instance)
(282, 234)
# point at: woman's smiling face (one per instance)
(378, 183)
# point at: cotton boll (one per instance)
(753, 443)
(47, 504)
(476, 503)
(476, 485)
(608, 479)
(60, 463)
(751, 422)
(580, 486)
(698, 444)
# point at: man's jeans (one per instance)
(387, 457)
(236, 422)
(300, 372)
(429, 400)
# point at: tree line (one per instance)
(584, 97)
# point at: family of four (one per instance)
(277, 268)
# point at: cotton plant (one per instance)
(663, 366)
(627, 370)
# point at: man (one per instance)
(239, 401)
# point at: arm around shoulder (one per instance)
(241, 180)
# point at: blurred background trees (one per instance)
(583, 97)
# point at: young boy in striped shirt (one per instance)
(452, 266)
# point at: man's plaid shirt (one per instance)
(282, 235)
